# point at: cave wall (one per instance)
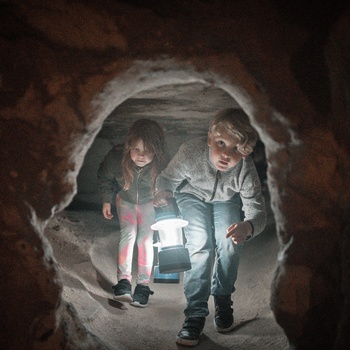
(65, 65)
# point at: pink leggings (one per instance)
(135, 221)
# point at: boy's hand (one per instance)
(239, 231)
(106, 210)
(161, 198)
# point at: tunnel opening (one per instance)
(54, 68)
(85, 244)
(182, 110)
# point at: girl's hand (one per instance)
(106, 210)
(239, 231)
(161, 198)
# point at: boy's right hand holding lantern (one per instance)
(161, 198)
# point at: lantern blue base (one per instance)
(165, 277)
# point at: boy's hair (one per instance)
(235, 123)
(152, 135)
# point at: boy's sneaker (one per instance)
(223, 320)
(122, 291)
(141, 295)
(191, 330)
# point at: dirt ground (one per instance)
(85, 247)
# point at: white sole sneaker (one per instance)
(187, 342)
(223, 330)
(127, 298)
(137, 304)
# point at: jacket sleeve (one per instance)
(173, 175)
(253, 200)
(107, 175)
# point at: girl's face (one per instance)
(223, 150)
(139, 156)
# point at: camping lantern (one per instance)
(172, 255)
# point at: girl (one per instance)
(130, 172)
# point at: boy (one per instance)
(213, 181)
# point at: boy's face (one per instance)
(139, 156)
(223, 150)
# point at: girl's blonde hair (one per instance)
(152, 135)
(235, 123)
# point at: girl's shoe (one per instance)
(141, 295)
(122, 291)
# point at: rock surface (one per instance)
(66, 66)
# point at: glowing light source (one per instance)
(172, 255)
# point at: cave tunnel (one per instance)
(85, 244)
(71, 70)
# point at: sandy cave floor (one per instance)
(85, 246)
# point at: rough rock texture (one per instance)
(65, 65)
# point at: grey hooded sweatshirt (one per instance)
(192, 168)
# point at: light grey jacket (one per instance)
(192, 168)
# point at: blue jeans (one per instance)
(214, 257)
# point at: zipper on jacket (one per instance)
(138, 170)
(217, 178)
